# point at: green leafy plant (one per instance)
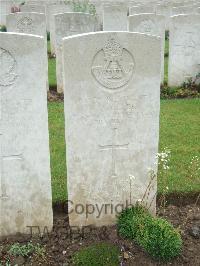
(82, 6)
(7, 263)
(179, 92)
(48, 36)
(157, 236)
(26, 250)
(166, 35)
(192, 83)
(101, 254)
(3, 28)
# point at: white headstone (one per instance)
(150, 24)
(67, 24)
(183, 10)
(25, 180)
(51, 11)
(141, 9)
(164, 10)
(33, 8)
(115, 17)
(29, 23)
(112, 88)
(184, 49)
(5, 8)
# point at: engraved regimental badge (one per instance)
(113, 65)
(25, 25)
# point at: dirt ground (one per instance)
(63, 241)
(53, 96)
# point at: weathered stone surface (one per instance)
(184, 49)
(33, 8)
(115, 17)
(150, 24)
(25, 180)
(183, 10)
(165, 10)
(51, 11)
(29, 23)
(4, 10)
(112, 97)
(67, 24)
(142, 9)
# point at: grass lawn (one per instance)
(52, 72)
(179, 131)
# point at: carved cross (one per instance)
(3, 158)
(113, 148)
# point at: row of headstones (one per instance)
(166, 8)
(112, 95)
(117, 10)
(184, 61)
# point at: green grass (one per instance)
(52, 72)
(101, 254)
(179, 131)
(57, 149)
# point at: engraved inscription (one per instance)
(188, 47)
(147, 26)
(8, 68)
(113, 65)
(113, 147)
(25, 25)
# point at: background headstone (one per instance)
(112, 88)
(33, 8)
(29, 23)
(25, 180)
(150, 24)
(68, 24)
(51, 11)
(183, 10)
(141, 9)
(115, 17)
(184, 49)
(164, 10)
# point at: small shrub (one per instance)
(102, 254)
(192, 84)
(48, 36)
(3, 28)
(180, 92)
(167, 54)
(166, 35)
(7, 263)
(84, 6)
(26, 250)
(155, 235)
